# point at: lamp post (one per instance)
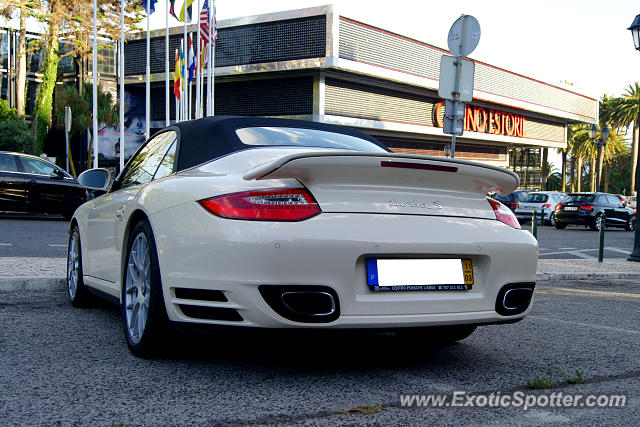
(635, 254)
(600, 143)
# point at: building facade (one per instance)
(316, 64)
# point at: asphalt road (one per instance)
(61, 365)
(575, 242)
(33, 236)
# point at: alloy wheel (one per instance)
(137, 287)
(73, 265)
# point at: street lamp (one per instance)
(600, 143)
(635, 31)
(635, 254)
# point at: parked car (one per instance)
(541, 201)
(631, 202)
(511, 200)
(624, 199)
(275, 223)
(589, 208)
(31, 184)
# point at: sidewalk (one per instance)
(49, 273)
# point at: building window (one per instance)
(527, 163)
(4, 50)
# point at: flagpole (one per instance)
(121, 63)
(198, 70)
(211, 66)
(148, 76)
(185, 76)
(95, 84)
(188, 80)
(166, 67)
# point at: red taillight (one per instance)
(558, 207)
(547, 206)
(587, 208)
(266, 205)
(503, 213)
(515, 205)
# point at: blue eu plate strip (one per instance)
(372, 272)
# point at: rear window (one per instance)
(296, 137)
(579, 198)
(535, 198)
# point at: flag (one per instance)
(204, 34)
(188, 3)
(192, 61)
(183, 83)
(172, 10)
(177, 77)
(215, 23)
(149, 3)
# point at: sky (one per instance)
(583, 42)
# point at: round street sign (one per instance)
(464, 36)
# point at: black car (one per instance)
(589, 209)
(511, 200)
(32, 184)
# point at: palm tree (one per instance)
(82, 111)
(608, 108)
(578, 144)
(625, 111)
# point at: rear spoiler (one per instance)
(482, 177)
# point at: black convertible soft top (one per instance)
(208, 138)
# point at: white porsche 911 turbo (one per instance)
(275, 223)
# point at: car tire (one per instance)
(552, 219)
(78, 295)
(436, 334)
(630, 225)
(596, 223)
(559, 225)
(142, 308)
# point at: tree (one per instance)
(14, 131)
(74, 20)
(81, 103)
(25, 8)
(624, 112)
(579, 143)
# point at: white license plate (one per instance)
(570, 208)
(452, 274)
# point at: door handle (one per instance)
(120, 213)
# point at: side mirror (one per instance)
(95, 179)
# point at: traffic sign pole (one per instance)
(463, 38)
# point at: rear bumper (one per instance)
(237, 257)
(574, 218)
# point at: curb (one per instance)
(544, 277)
(32, 284)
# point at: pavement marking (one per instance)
(567, 249)
(6, 244)
(579, 252)
(569, 291)
(58, 246)
(589, 325)
(622, 251)
(580, 255)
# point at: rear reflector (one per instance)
(503, 213)
(267, 205)
(407, 165)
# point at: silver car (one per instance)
(541, 201)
